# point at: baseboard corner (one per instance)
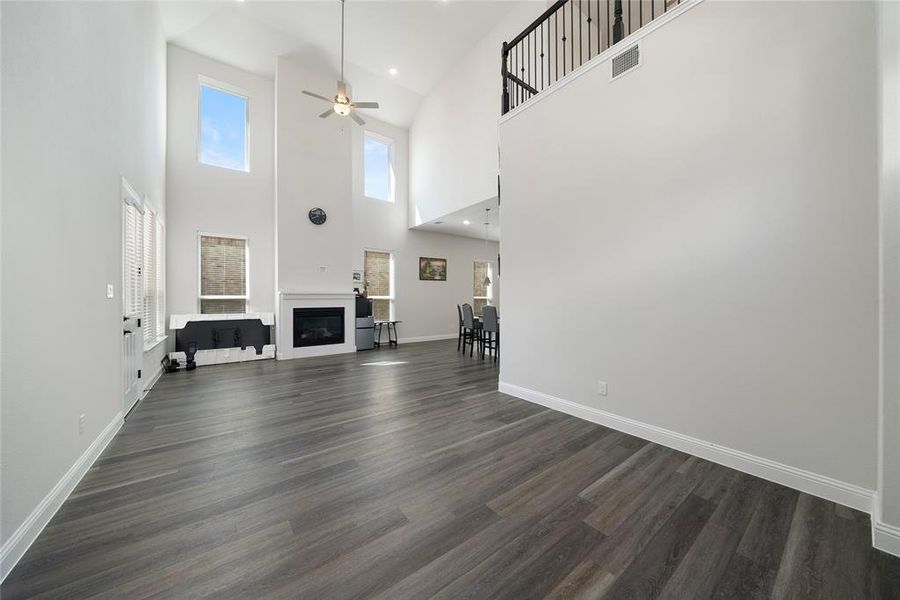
(885, 537)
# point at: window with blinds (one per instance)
(132, 261)
(153, 309)
(223, 274)
(150, 284)
(379, 280)
(481, 293)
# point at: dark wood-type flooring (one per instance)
(412, 477)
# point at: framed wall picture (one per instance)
(432, 269)
(357, 277)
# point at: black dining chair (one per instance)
(471, 329)
(490, 335)
(460, 339)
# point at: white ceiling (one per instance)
(422, 39)
(455, 223)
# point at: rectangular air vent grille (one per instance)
(626, 61)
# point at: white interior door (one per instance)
(132, 297)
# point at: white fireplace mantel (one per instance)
(288, 300)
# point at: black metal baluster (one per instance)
(542, 56)
(527, 72)
(589, 29)
(572, 32)
(564, 42)
(618, 27)
(580, 36)
(608, 39)
(521, 74)
(519, 66)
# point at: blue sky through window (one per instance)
(223, 129)
(377, 163)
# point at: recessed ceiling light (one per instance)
(466, 222)
(393, 71)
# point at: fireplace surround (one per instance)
(288, 300)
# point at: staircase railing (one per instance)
(567, 35)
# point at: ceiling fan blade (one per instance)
(342, 88)
(329, 100)
(327, 113)
(365, 105)
(357, 118)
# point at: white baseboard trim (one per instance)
(840, 492)
(151, 382)
(886, 537)
(16, 546)
(428, 338)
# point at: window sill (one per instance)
(155, 343)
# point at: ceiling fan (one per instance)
(341, 104)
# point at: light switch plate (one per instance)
(322, 268)
(110, 291)
(601, 388)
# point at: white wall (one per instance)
(889, 177)
(313, 166)
(713, 239)
(83, 105)
(453, 136)
(427, 308)
(212, 199)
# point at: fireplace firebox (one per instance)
(318, 326)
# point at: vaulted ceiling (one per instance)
(421, 39)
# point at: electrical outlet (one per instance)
(80, 424)
(110, 290)
(601, 388)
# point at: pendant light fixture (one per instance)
(487, 222)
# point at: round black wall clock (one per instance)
(317, 216)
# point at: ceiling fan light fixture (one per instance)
(341, 104)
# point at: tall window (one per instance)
(132, 264)
(144, 271)
(377, 167)
(223, 126)
(379, 274)
(154, 318)
(481, 293)
(223, 274)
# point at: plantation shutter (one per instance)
(132, 293)
(160, 280)
(150, 296)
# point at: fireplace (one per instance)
(318, 326)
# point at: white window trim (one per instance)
(204, 81)
(246, 296)
(390, 297)
(392, 192)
